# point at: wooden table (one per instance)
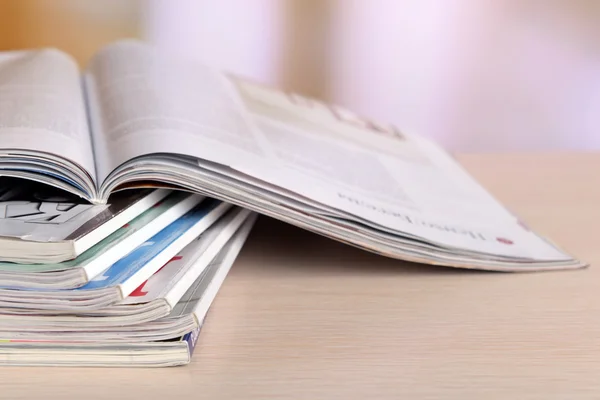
(301, 316)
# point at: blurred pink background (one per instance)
(475, 75)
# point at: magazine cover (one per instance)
(40, 213)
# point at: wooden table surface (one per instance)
(303, 317)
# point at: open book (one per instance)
(138, 117)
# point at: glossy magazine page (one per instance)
(41, 213)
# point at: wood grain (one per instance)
(303, 317)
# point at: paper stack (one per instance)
(168, 159)
(124, 284)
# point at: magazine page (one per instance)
(42, 107)
(146, 102)
(386, 177)
(142, 102)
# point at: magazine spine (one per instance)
(191, 339)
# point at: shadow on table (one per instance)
(275, 246)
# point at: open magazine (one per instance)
(141, 118)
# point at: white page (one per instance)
(398, 181)
(143, 102)
(42, 106)
(333, 148)
(147, 102)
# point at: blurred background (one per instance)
(475, 75)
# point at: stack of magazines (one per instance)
(167, 161)
(127, 283)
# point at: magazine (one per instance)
(80, 270)
(155, 298)
(138, 117)
(38, 224)
(127, 273)
(166, 341)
